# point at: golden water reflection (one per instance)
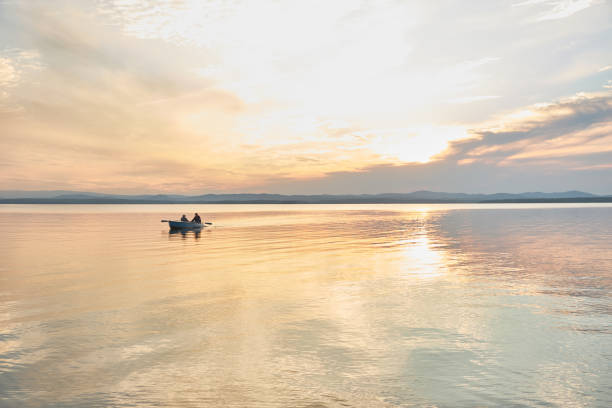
(422, 259)
(377, 306)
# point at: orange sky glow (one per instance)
(190, 96)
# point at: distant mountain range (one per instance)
(76, 197)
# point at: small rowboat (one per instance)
(186, 225)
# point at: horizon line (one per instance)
(303, 194)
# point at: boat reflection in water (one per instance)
(184, 233)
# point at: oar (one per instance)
(207, 223)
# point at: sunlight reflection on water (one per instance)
(306, 306)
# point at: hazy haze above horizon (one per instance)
(126, 96)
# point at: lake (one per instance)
(306, 306)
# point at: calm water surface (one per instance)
(306, 306)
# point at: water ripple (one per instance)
(306, 306)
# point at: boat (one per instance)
(185, 224)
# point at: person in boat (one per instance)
(196, 218)
(184, 218)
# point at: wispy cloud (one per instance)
(576, 126)
(15, 66)
(469, 99)
(231, 95)
(595, 167)
(557, 9)
(8, 73)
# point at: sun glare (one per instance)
(417, 145)
(422, 259)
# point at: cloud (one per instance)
(15, 66)
(8, 79)
(470, 99)
(577, 126)
(557, 9)
(95, 100)
(595, 166)
(145, 95)
(8, 73)
(562, 145)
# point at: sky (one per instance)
(306, 97)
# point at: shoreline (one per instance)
(605, 199)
